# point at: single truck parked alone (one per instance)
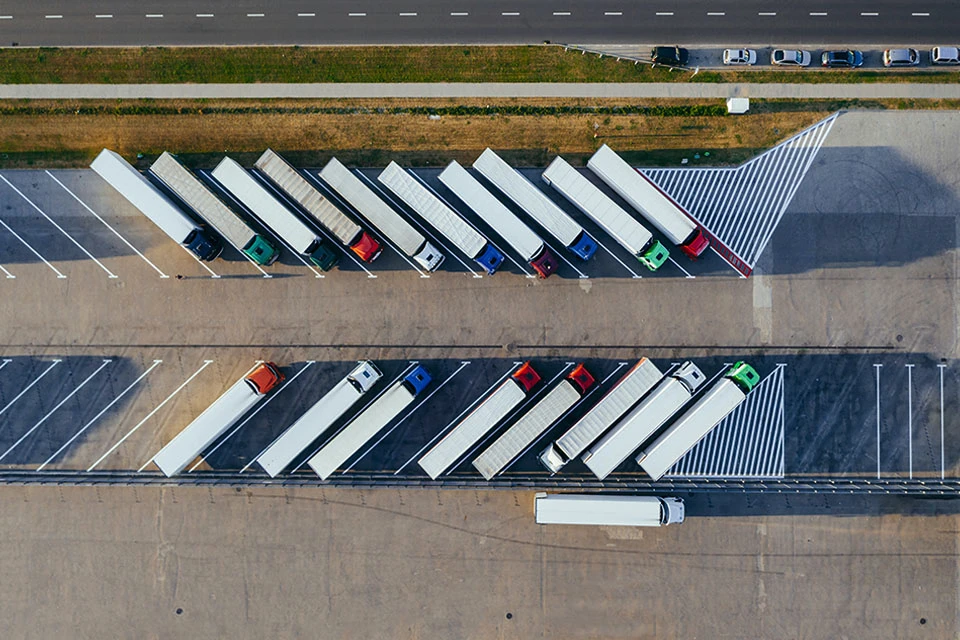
(668, 397)
(272, 213)
(346, 231)
(318, 418)
(379, 214)
(538, 206)
(697, 421)
(622, 227)
(647, 198)
(366, 425)
(518, 235)
(601, 510)
(225, 412)
(534, 422)
(444, 219)
(151, 202)
(621, 397)
(481, 420)
(205, 204)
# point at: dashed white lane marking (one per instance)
(818, 13)
(408, 14)
(869, 13)
(664, 13)
(154, 15)
(254, 15)
(767, 13)
(716, 13)
(309, 15)
(613, 13)
(510, 13)
(103, 15)
(459, 13)
(53, 17)
(6, 17)
(354, 15)
(561, 13)
(920, 15)
(204, 15)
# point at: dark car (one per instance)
(671, 56)
(841, 59)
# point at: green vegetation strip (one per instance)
(543, 63)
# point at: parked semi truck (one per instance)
(318, 418)
(151, 202)
(615, 403)
(275, 215)
(534, 422)
(205, 204)
(697, 421)
(528, 244)
(600, 510)
(480, 421)
(344, 229)
(643, 195)
(622, 227)
(366, 425)
(444, 219)
(537, 205)
(225, 412)
(380, 215)
(668, 397)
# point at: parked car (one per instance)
(672, 56)
(901, 58)
(739, 56)
(790, 58)
(841, 59)
(945, 55)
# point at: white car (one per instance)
(945, 55)
(739, 56)
(790, 58)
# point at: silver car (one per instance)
(739, 56)
(901, 58)
(790, 58)
(945, 55)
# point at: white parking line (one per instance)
(97, 417)
(492, 244)
(685, 272)
(410, 366)
(306, 366)
(457, 419)
(463, 364)
(633, 274)
(115, 232)
(110, 274)
(206, 363)
(910, 415)
(52, 411)
(30, 386)
(32, 250)
(5, 362)
(876, 368)
(941, 367)
(10, 276)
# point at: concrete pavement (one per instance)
(692, 90)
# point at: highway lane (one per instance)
(214, 22)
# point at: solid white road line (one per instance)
(115, 232)
(96, 417)
(206, 363)
(30, 386)
(52, 411)
(110, 274)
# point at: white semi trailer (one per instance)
(225, 412)
(615, 403)
(518, 235)
(605, 510)
(647, 198)
(444, 219)
(151, 202)
(380, 215)
(318, 418)
(697, 421)
(314, 204)
(196, 195)
(636, 427)
(480, 421)
(366, 425)
(534, 422)
(622, 227)
(537, 205)
(273, 213)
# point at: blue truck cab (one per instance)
(490, 259)
(417, 380)
(584, 246)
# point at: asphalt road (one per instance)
(215, 22)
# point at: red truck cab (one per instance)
(265, 377)
(544, 264)
(696, 244)
(581, 378)
(367, 247)
(526, 377)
